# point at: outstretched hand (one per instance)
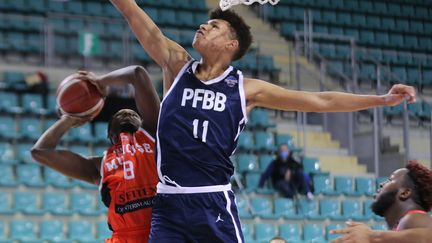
(354, 233)
(398, 93)
(94, 79)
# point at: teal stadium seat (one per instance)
(264, 161)
(264, 141)
(330, 208)
(367, 211)
(311, 165)
(110, 11)
(8, 128)
(242, 207)
(56, 179)
(331, 227)
(287, 139)
(345, 185)
(352, 210)
(286, 208)
(7, 176)
(30, 128)
(290, 232)
(101, 131)
(167, 17)
(323, 185)
(262, 207)
(252, 180)
(102, 231)
(56, 6)
(247, 232)
(265, 232)
(313, 233)
(75, 7)
(22, 230)
(7, 153)
(9, 102)
(52, 230)
(33, 103)
(247, 162)
(37, 7)
(185, 19)
(93, 8)
(365, 185)
(81, 230)
(27, 203)
(310, 209)
(29, 175)
(14, 79)
(55, 203)
(83, 203)
(245, 141)
(23, 152)
(82, 133)
(5, 204)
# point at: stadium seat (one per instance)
(56, 179)
(5, 204)
(379, 227)
(247, 232)
(367, 211)
(52, 230)
(365, 186)
(22, 230)
(311, 165)
(264, 232)
(310, 209)
(30, 175)
(8, 128)
(83, 203)
(23, 152)
(55, 203)
(245, 141)
(330, 208)
(3, 232)
(252, 180)
(30, 128)
(9, 102)
(290, 232)
(82, 133)
(33, 103)
(81, 150)
(13, 79)
(352, 210)
(286, 139)
(247, 162)
(345, 185)
(331, 227)
(242, 207)
(7, 178)
(323, 185)
(262, 207)
(264, 161)
(102, 231)
(81, 230)
(167, 17)
(285, 207)
(313, 233)
(259, 118)
(93, 8)
(264, 141)
(27, 203)
(7, 153)
(101, 131)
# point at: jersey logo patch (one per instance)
(231, 81)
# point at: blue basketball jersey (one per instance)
(199, 124)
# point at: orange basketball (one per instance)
(78, 97)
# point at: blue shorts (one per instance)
(197, 217)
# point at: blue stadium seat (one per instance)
(310, 209)
(265, 232)
(286, 139)
(8, 128)
(51, 107)
(331, 227)
(101, 131)
(5, 204)
(330, 208)
(30, 175)
(345, 185)
(22, 230)
(93, 8)
(82, 133)
(259, 118)
(247, 232)
(81, 230)
(264, 141)
(262, 207)
(27, 203)
(365, 185)
(55, 203)
(83, 203)
(313, 233)
(52, 230)
(23, 152)
(311, 165)
(3, 232)
(56, 179)
(264, 161)
(14, 79)
(33, 103)
(7, 153)
(252, 180)
(290, 232)
(247, 162)
(102, 231)
(245, 141)
(323, 185)
(167, 17)
(242, 207)
(7, 177)
(352, 210)
(285, 207)
(9, 102)
(30, 128)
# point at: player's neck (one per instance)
(210, 69)
(397, 211)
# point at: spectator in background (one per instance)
(287, 174)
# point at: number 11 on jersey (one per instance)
(204, 132)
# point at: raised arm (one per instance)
(264, 94)
(146, 98)
(169, 55)
(64, 161)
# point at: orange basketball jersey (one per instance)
(128, 186)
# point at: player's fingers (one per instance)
(353, 223)
(341, 231)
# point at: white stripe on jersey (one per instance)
(228, 208)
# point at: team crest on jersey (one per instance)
(231, 81)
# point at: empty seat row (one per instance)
(345, 185)
(54, 231)
(56, 203)
(255, 163)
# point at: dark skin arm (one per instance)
(64, 161)
(146, 98)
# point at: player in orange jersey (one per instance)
(126, 174)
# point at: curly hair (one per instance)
(422, 179)
(239, 28)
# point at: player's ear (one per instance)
(405, 193)
(232, 45)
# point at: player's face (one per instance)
(213, 36)
(386, 194)
(124, 120)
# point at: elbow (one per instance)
(141, 75)
(37, 154)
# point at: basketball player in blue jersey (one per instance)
(204, 110)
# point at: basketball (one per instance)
(78, 97)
